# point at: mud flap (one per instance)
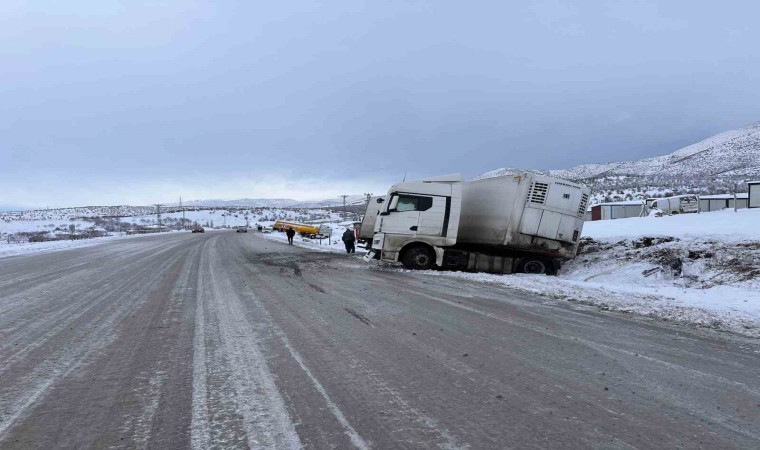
(438, 256)
(369, 256)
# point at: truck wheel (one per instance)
(536, 266)
(418, 258)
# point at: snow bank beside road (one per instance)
(697, 268)
(725, 225)
(26, 248)
(333, 244)
(725, 308)
(701, 269)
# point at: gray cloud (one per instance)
(99, 99)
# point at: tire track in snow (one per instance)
(199, 426)
(614, 352)
(149, 391)
(375, 381)
(244, 390)
(19, 397)
(349, 430)
(67, 308)
(426, 429)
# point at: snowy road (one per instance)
(231, 341)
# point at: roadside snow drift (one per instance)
(701, 269)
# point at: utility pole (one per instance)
(158, 214)
(736, 188)
(344, 206)
(183, 213)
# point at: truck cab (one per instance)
(417, 220)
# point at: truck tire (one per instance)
(535, 265)
(418, 258)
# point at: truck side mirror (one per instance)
(380, 200)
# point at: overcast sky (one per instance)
(105, 102)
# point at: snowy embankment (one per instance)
(26, 248)
(701, 269)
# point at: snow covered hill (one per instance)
(732, 153)
(243, 202)
(711, 166)
(276, 202)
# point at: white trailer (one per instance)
(366, 230)
(523, 222)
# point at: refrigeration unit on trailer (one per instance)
(515, 223)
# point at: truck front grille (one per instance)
(537, 193)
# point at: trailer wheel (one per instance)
(418, 258)
(536, 266)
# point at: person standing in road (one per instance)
(348, 239)
(290, 233)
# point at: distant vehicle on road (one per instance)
(241, 229)
(679, 204)
(198, 230)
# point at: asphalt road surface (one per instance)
(229, 340)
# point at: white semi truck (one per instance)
(521, 222)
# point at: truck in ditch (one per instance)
(522, 222)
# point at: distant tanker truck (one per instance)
(302, 228)
(522, 222)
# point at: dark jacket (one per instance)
(291, 232)
(348, 236)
